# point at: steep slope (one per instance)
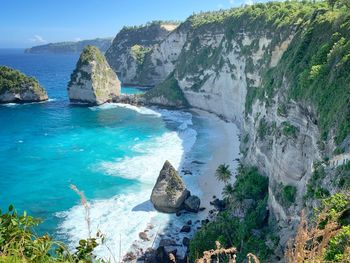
(280, 71)
(71, 47)
(130, 50)
(93, 81)
(17, 87)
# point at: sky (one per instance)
(26, 23)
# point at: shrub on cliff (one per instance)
(247, 233)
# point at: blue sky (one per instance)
(24, 23)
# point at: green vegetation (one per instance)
(314, 186)
(246, 139)
(152, 23)
(247, 234)
(337, 246)
(282, 110)
(316, 68)
(169, 90)
(337, 207)
(343, 176)
(20, 243)
(264, 129)
(327, 238)
(139, 52)
(223, 173)
(289, 130)
(13, 81)
(285, 194)
(91, 53)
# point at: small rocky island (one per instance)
(170, 194)
(19, 88)
(93, 81)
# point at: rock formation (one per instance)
(130, 53)
(192, 204)
(17, 87)
(93, 81)
(169, 192)
(261, 77)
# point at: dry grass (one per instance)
(85, 205)
(310, 243)
(228, 253)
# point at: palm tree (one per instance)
(223, 173)
(228, 192)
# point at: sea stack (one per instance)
(19, 88)
(93, 81)
(169, 192)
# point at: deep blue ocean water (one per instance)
(113, 153)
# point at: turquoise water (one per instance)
(132, 90)
(46, 147)
(112, 152)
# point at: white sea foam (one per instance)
(141, 110)
(122, 217)
(13, 104)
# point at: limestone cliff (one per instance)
(129, 54)
(17, 87)
(260, 67)
(93, 81)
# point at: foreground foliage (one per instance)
(245, 233)
(328, 239)
(20, 243)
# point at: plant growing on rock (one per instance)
(328, 239)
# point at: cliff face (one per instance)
(262, 70)
(129, 54)
(17, 87)
(93, 81)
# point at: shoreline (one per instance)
(224, 148)
(225, 152)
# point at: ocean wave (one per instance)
(124, 216)
(116, 218)
(13, 104)
(140, 110)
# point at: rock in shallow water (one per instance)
(17, 87)
(192, 204)
(93, 81)
(169, 192)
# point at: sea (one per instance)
(113, 153)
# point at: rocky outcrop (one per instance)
(130, 53)
(93, 81)
(17, 87)
(237, 68)
(169, 192)
(192, 204)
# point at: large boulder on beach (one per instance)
(93, 81)
(169, 192)
(19, 88)
(192, 203)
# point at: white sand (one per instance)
(224, 150)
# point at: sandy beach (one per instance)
(224, 150)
